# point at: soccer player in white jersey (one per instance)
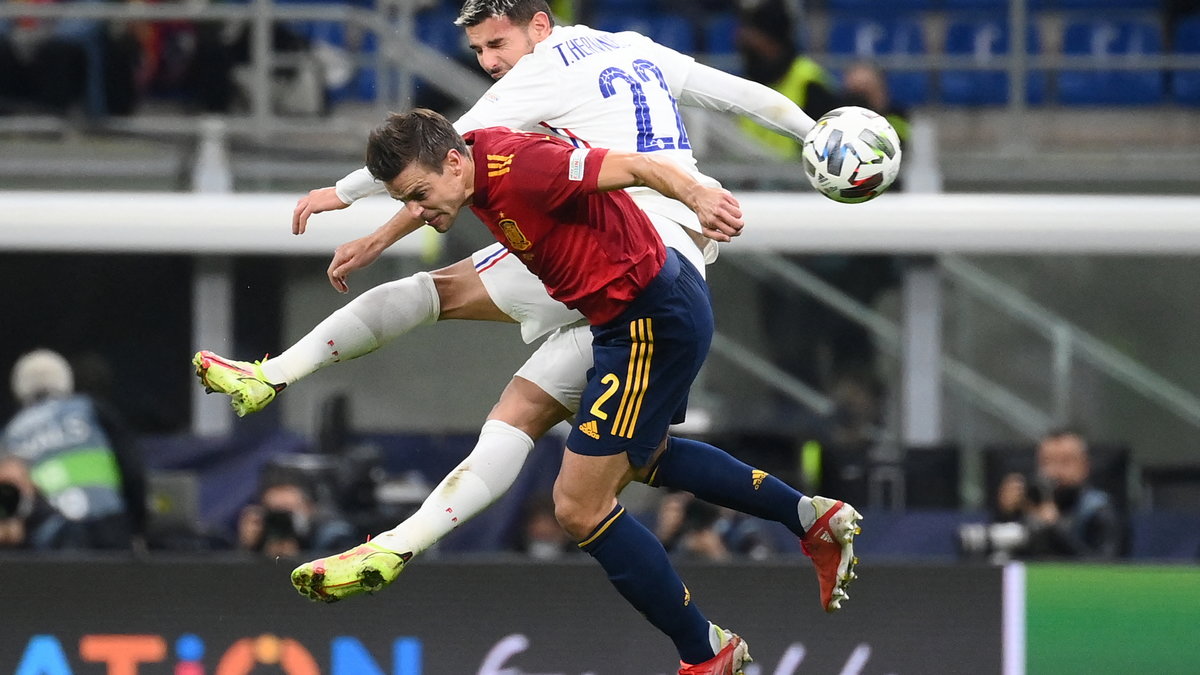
(620, 91)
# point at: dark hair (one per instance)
(519, 12)
(1066, 432)
(420, 135)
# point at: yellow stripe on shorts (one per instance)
(637, 380)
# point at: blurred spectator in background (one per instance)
(767, 43)
(1065, 515)
(78, 455)
(541, 537)
(54, 65)
(692, 528)
(1055, 513)
(864, 84)
(286, 521)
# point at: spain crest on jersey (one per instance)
(516, 238)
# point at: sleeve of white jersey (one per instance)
(713, 89)
(675, 66)
(528, 94)
(356, 185)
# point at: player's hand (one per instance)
(719, 212)
(316, 201)
(350, 256)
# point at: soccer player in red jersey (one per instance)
(560, 209)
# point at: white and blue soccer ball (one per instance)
(851, 155)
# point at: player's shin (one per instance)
(482, 478)
(638, 566)
(718, 478)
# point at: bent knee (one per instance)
(579, 519)
(463, 295)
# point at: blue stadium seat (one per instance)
(1165, 535)
(672, 31)
(1185, 84)
(983, 5)
(622, 7)
(720, 34)
(987, 40)
(874, 6)
(362, 87)
(436, 28)
(1104, 39)
(1108, 5)
(871, 38)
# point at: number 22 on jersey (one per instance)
(641, 84)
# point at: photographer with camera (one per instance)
(1053, 514)
(286, 521)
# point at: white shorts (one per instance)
(560, 366)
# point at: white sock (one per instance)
(471, 487)
(365, 324)
(807, 512)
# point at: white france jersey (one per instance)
(599, 89)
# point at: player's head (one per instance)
(423, 161)
(41, 373)
(500, 32)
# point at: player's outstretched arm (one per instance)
(719, 212)
(712, 89)
(359, 253)
(316, 201)
(351, 188)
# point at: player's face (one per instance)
(433, 197)
(498, 44)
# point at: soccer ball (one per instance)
(851, 155)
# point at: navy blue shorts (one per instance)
(645, 362)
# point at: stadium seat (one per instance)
(987, 40)
(436, 28)
(1109, 40)
(720, 34)
(672, 31)
(924, 534)
(871, 38)
(1119, 5)
(874, 6)
(623, 6)
(982, 5)
(1165, 535)
(1185, 84)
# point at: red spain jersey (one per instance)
(594, 251)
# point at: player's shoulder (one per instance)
(570, 45)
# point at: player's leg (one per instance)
(490, 286)
(826, 527)
(363, 325)
(634, 559)
(544, 392)
(524, 413)
(644, 363)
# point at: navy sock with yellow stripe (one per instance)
(719, 478)
(638, 566)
